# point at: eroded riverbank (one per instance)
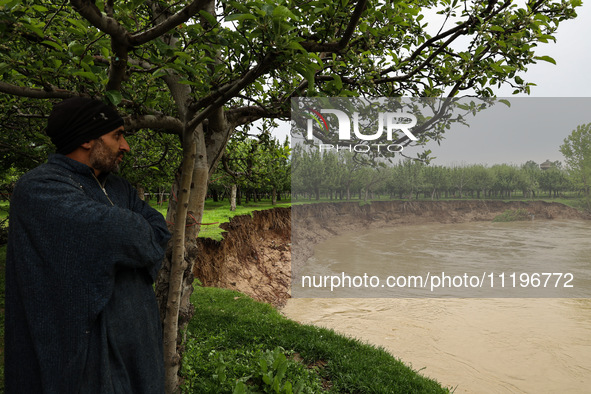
(255, 256)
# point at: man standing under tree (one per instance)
(83, 253)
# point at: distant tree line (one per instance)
(344, 176)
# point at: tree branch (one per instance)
(23, 91)
(106, 24)
(169, 23)
(455, 32)
(168, 123)
(243, 115)
(232, 89)
(344, 41)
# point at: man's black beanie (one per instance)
(78, 120)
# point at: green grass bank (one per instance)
(235, 344)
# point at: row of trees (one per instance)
(251, 168)
(342, 176)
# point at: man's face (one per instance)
(107, 151)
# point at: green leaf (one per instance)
(506, 102)
(76, 48)
(546, 59)
(317, 58)
(497, 67)
(338, 82)
(159, 73)
(497, 28)
(114, 96)
(297, 46)
(35, 30)
(240, 388)
(39, 8)
(282, 11)
(55, 45)
(79, 24)
(86, 74)
(207, 16)
(239, 17)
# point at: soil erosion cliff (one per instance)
(255, 256)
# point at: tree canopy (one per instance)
(577, 156)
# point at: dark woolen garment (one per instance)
(81, 314)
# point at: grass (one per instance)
(3, 209)
(512, 215)
(235, 344)
(216, 213)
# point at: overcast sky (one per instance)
(560, 101)
(535, 125)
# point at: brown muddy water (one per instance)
(497, 344)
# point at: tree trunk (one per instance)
(274, 196)
(140, 192)
(233, 198)
(177, 266)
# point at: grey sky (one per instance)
(543, 128)
(532, 128)
(542, 124)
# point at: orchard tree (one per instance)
(238, 164)
(155, 161)
(436, 179)
(554, 180)
(260, 164)
(277, 168)
(530, 177)
(577, 156)
(481, 179)
(349, 172)
(200, 69)
(460, 177)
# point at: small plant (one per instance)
(271, 376)
(512, 215)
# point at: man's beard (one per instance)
(102, 159)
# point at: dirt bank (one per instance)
(255, 255)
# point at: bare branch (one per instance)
(23, 91)
(169, 124)
(156, 163)
(243, 115)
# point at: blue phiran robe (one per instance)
(81, 314)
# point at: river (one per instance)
(497, 344)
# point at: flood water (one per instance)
(473, 345)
